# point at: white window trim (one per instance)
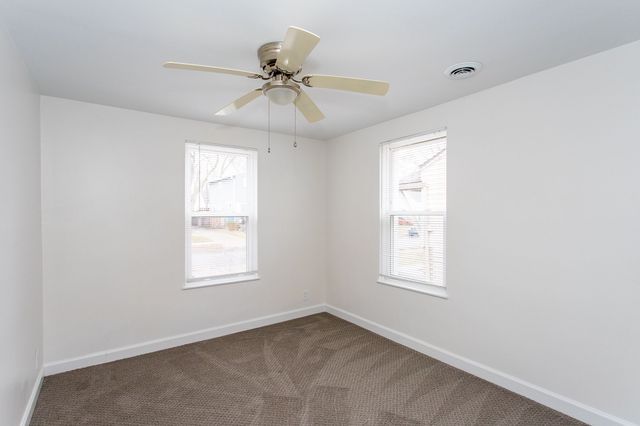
(386, 213)
(221, 280)
(433, 290)
(252, 220)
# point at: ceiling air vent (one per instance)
(462, 70)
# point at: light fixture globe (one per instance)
(281, 95)
(281, 92)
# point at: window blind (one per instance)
(413, 209)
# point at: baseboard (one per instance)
(173, 341)
(565, 405)
(33, 398)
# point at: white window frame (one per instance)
(251, 215)
(387, 214)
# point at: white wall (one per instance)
(113, 228)
(20, 238)
(543, 237)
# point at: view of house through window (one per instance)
(221, 211)
(413, 209)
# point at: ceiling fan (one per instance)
(281, 63)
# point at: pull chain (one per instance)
(295, 128)
(269, 127)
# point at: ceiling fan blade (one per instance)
(306, 106)
(297, 45)
(361, 85)
(196, 67)
(240, 102)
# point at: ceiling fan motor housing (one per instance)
(268, 54)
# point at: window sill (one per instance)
(429, 289)
(209, 282)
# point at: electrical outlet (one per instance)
(305, 295)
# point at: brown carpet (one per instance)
(313, 370)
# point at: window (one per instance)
(414, 213)
(221, 214)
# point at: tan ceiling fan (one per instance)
(281, 63)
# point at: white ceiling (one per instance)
(110, 51)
